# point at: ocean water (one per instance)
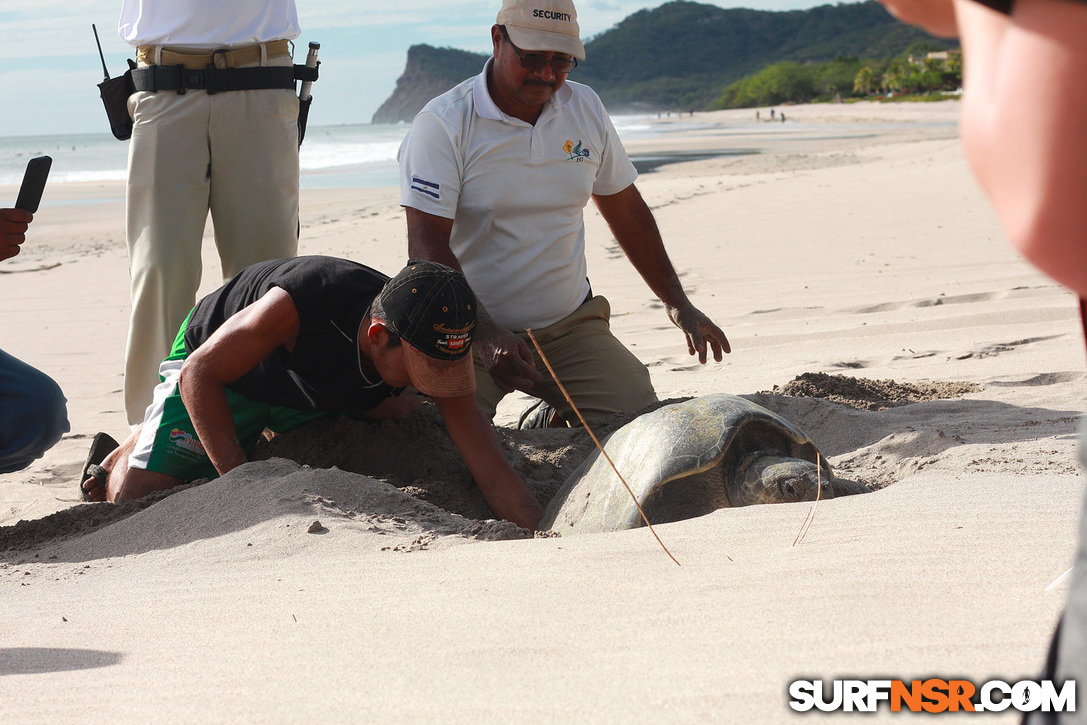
(331, 157)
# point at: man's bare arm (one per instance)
(233, 350)
(474, 436)
(635, 229)
(1023, 120)
(1023, 111)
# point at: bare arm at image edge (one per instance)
(1024, 119)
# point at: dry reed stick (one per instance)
(818, 493)
(597, 442)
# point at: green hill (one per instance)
(682, 55)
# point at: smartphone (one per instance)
(30, 193)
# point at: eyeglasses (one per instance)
(534, 61)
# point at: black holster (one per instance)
(303, 118)
(115, 93)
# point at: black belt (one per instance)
(218, 80)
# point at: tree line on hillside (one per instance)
(918, 70)
(682, 54)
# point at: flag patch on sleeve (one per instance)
(426, 187)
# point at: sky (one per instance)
(49, 66)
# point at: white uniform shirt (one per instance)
(206, 24)
(516, 193)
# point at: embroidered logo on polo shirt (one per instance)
(426, 187)
(576, 152)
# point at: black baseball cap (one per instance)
(433, 310)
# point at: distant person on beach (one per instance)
(494, 176)
(33, 409)
(233, 153)
(292, 340)
(1023, 111)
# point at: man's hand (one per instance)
(506, 357)
(13, 226)
(699, 330)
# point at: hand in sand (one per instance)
(506, 357)
(699, 330)
(13, 226)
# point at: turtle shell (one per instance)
(680, 461)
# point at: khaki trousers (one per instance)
(599, 372)
(234, 154)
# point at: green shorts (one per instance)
(168, 442)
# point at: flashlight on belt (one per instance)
(311, 62)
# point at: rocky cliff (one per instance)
(429, 72)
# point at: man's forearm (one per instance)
(1022, 126)
(502, 488)
(635, 229)
(210, 413)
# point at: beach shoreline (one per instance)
(855, 243)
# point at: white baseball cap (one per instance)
(543, 25)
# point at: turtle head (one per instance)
(781, 479)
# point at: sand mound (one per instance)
(864, 394)
(406, 477)
(407, 474)
(434, 471)
(80, 519)
(277, 503)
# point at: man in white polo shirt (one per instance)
(495, 176)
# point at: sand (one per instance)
(870, 297)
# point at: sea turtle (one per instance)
(691, 458)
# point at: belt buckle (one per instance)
(195, 79)
(220, 54)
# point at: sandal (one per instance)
(101, 446)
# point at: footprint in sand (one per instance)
(929, 302)
(852, 364)
(1040, 379)
(999, 348)
(916, 354)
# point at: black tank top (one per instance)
(322, 373)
